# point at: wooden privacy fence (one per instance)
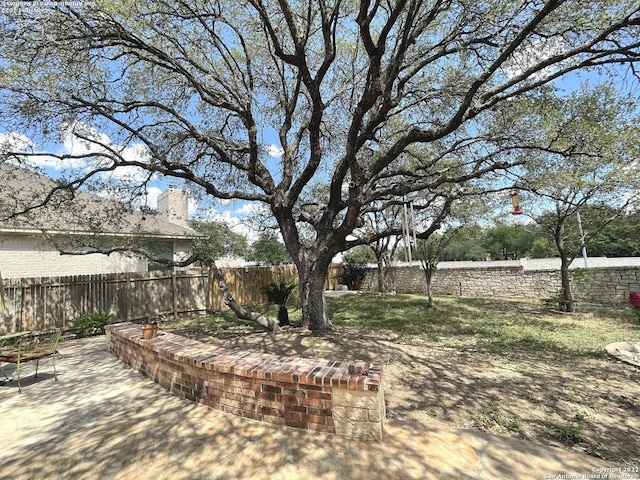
(54, 302)
(245, 283)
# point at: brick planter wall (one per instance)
(312, 394)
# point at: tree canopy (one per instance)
(618, 238)
(219, 239)
(268, 250)
(591, 157)
(379, 101)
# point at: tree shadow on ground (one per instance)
(503, 392)
(102, 420)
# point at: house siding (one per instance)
(32, 256)
(25, 252)
(182, 250)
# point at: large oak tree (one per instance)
(378, 100)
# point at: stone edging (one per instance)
(345, 398)
(627, 352)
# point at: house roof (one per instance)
(76, 212)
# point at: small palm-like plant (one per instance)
(280, 294)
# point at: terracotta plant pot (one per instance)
(149, 331)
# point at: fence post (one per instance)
(128, 297)
(174, 288)
(23, 296)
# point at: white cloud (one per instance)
(49, 161)
(15, 142)
(192, 206)
(534, 53)
(236, 224)
(235, 218)
(127, 174)
(82, 139)
(90, 152)
(274, 151)
(251, 208)
(151, 198)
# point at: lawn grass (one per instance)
(227, 324)
(486, 324)
(493, 325)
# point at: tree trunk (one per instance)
(314, 312)
(428, 275)
(240, 312)
(567, 298)
(283, 316)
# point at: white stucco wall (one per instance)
(32, 256)
(181, 250)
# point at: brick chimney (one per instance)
(173, 205)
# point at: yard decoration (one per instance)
(634, 301)
(627, 352)
(515, 201)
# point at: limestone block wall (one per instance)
(358, 413)
(605, 285)
(345, 398)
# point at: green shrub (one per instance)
(89, 325)
(355, 270)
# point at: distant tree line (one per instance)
(219, 241)
(619, 238)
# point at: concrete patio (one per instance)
(102, 420)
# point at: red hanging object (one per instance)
(515, 201)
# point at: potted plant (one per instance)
(150, 327)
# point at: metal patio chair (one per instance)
(29, 346)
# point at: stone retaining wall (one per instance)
(604, 285)
(311, 394)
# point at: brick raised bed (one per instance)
(344, 398)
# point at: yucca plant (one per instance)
(280, 294)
